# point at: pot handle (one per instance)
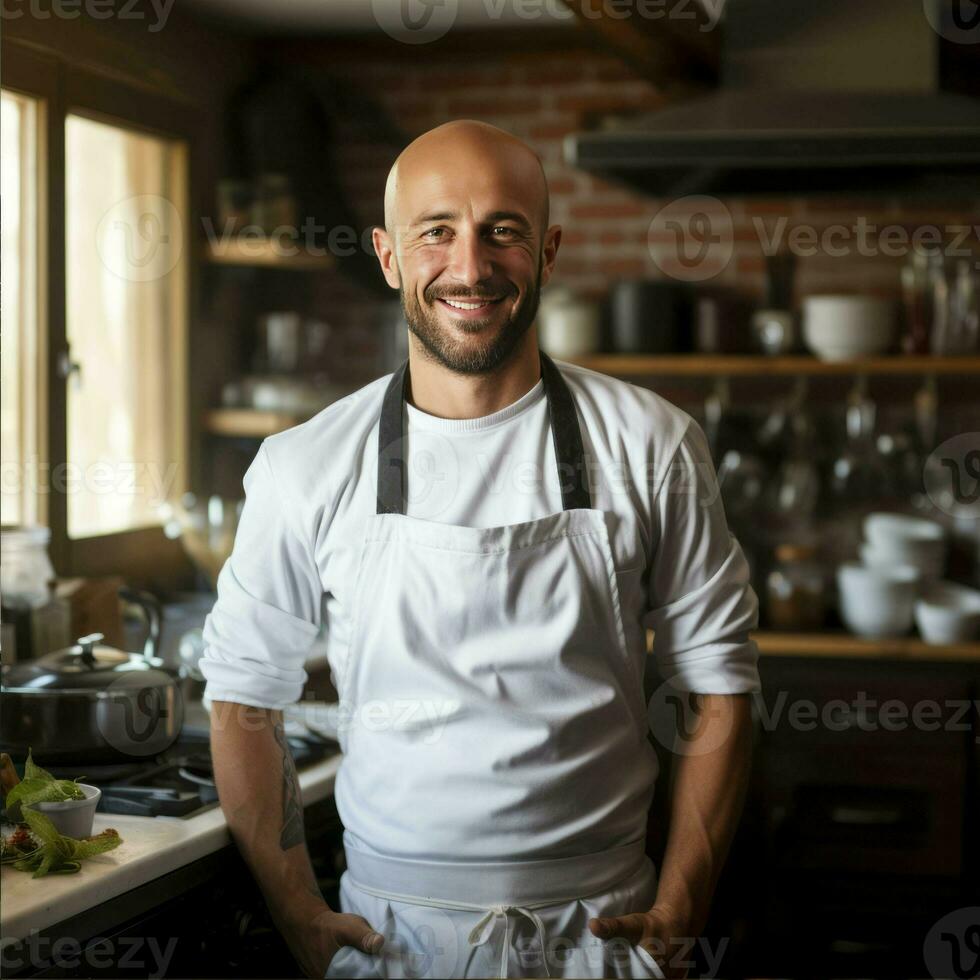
(153, 613)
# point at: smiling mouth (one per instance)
(469, 307)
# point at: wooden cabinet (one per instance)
(857, 832)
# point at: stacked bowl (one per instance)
(878, 594)
(896, 539)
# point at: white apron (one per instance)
(497, 775)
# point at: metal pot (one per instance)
(91, 703)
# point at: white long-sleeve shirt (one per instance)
(311, 489)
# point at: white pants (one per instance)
(429, 940)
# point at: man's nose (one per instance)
(469, 261)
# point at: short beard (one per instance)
(462, 358)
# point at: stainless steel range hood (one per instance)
(840, 96)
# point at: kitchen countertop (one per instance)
(152, 847)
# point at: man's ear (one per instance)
(385, 250)
(549, 252)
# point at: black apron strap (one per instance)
(565, 433)
(573, 474)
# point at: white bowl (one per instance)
(948, 613)
(877, 602)
(903, 540)
(837, 328)
(894, 553)
(882, 527)
(72, 818)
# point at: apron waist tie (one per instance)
(498, 887)
(483, 930)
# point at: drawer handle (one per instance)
(865, 816)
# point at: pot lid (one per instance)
(87, 665)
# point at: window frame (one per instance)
(37, 424)
(142, 555)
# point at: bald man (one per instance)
(482, 538)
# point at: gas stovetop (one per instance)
(178, 782)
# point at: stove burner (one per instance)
(176, 783)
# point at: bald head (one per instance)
(459, 156)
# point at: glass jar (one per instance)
(796, 589)
(25, 570)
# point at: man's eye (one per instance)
(503, 231)
(434, 233)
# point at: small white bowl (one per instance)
(72, 818)
(882, 526)
(838, 328)
(877, 602)
(889, 555)
(903, 540)
(948, 613)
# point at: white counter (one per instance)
(152, 846)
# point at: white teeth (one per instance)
(465, 306)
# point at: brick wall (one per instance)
(541, 97)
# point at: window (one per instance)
(126, 325)
(21, 360)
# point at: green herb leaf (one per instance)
(98, 844)
(42, 828)
(58, 854)
(32, 771)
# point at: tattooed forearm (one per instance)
(292, 832)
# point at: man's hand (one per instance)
(662, 936)
(315, 942)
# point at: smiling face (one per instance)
(467, 243)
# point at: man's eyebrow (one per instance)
(434, 216)
(514, 216)
(491, 218)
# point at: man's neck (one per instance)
(436, 390)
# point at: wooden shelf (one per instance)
(265, 254)
(750, 365)
(844, 645)
(248, 423)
